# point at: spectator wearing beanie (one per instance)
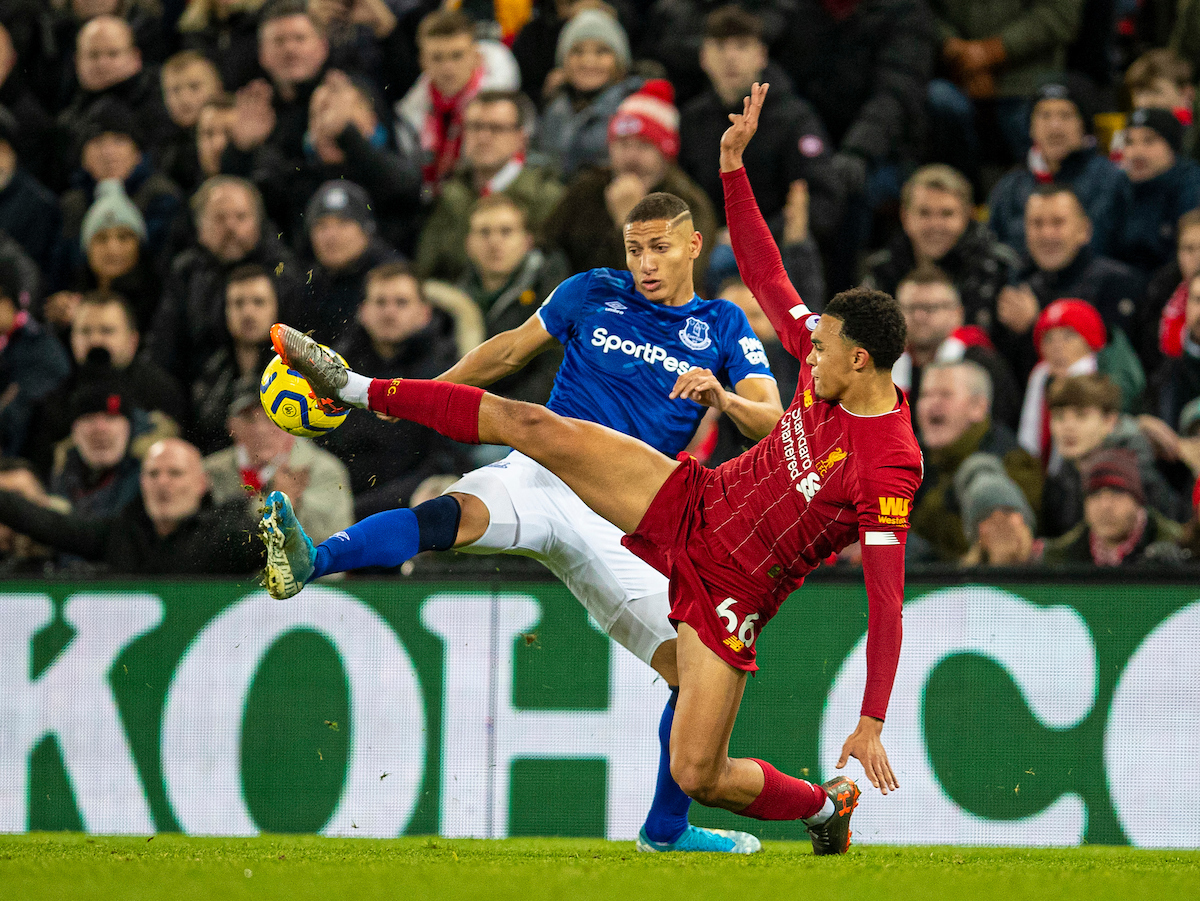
(1163, 185)
(593, 53)
(116, 258)
(111, 146)
(997, 521)
(643, 142)
(1064, 153)
(1071, 340)
(345, 247)
(1118, 529)
(97, 473)
(29, 211)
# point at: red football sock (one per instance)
(452, 410)
(784, 797)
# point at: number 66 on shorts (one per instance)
(745, 631)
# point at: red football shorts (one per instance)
(709, 592)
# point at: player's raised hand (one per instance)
(865, 746)
(742, 129)
(701, 386)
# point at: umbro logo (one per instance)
(615, 306)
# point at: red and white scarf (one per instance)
(1033, 430)
(441, 132)
(1102, 555)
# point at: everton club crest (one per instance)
(694, 334)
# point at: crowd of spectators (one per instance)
(410, 177)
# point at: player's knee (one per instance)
(531, 419)
(698, 779)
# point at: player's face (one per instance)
(1146, 154)
(1192, 310)
(832, 359)
(660, 254)
(934, 220)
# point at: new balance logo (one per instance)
(809, 486)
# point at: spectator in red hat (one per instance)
(1117, 529)
(643, 144)
(1071, 339)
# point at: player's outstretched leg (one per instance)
(290, 552)
(667, 827)
(385, 539)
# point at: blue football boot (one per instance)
(290, 553)
(694, 838)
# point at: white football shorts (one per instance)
(534, 514)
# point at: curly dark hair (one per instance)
(871, 320)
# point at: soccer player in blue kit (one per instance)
(644, 355)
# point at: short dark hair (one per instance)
(659, 205)
(388, 271)
(526, 111)
(1083, 391)
(285, 9)
(871, 320)
(732, 22)
(1053, 189)
(498, 200)
(103, 297)
(928, 273)
(247, 272)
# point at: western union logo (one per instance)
(735, 643)
(835, 456)
(893, 506)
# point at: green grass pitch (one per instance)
(295, 868)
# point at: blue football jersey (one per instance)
(623, 354)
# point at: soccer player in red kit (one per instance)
(841, 466)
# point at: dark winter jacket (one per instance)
(866, 74)
(574, 139)
(1101, 187)
(1075, 546)
(232, 45)
(190, 322)
(334, 296)
(95, 494)
(791, 144)
(32, 365)
(215, 541)
(978, 264)
(1145, 237)
(30, 213)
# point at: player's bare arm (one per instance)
(753, 405)
(866, 746)
(501, 355)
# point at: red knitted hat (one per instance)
(649, 115)
(1072, 313)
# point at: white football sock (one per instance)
(821, 815)
(355, 392)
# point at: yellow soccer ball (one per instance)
(291, 404)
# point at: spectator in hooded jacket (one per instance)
(29, 211)
(1064, 153)
(1163, 186)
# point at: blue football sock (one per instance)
(668, 816)
(390, 538)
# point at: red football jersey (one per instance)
(824, 478)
